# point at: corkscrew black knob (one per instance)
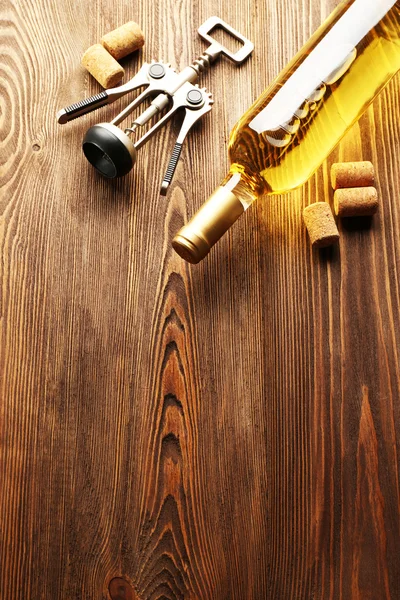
(109, 150)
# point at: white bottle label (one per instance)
(329, 61)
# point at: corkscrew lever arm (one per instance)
(107, 97)
(198, 103)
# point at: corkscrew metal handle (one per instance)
(216, 49)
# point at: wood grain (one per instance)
(228, 431)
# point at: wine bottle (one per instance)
(293, 126)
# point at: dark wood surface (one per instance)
(228, 431)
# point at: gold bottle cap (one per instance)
(194, 241)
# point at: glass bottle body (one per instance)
(286, 144)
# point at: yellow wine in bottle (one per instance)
(293, 126)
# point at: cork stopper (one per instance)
(102, 66)
(356, 202)
(122, 41)
(352, 174)
(321, 224)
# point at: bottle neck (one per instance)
(246, 188)
(194, 241)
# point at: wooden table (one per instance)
(228, 431)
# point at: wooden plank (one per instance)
(225, 431)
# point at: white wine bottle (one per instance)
(293, 126)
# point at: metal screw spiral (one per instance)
(202, 63)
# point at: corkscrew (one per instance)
(112, 151)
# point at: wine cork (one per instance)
(356, 202)
(321, 224)
(102, 66)
(352, 174)
(122, 41)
